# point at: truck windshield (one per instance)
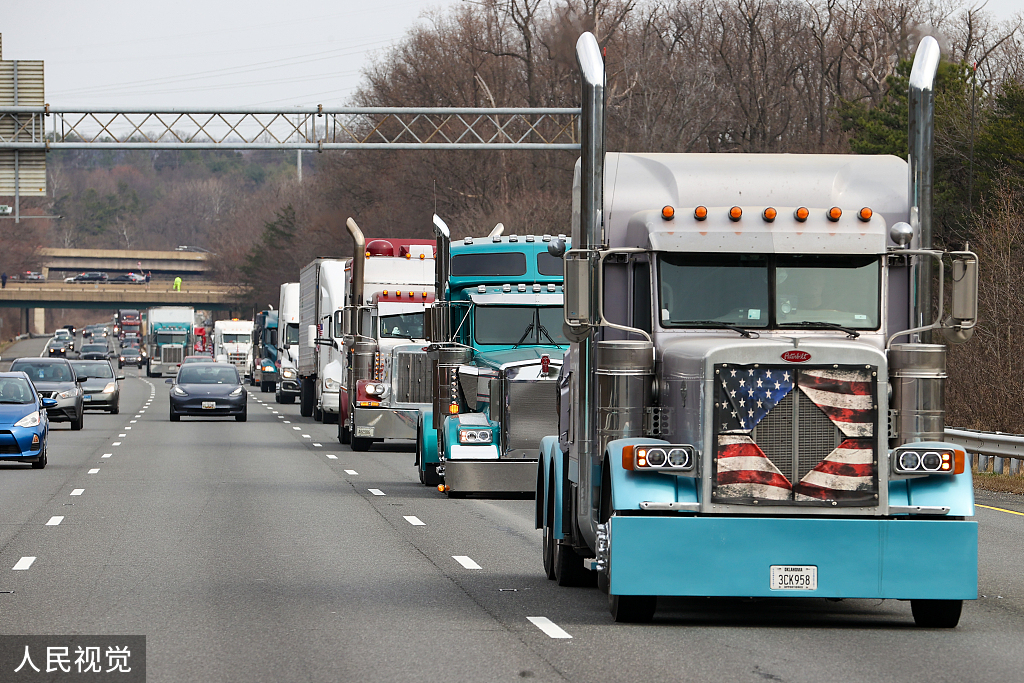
(170, 338)
(402, 325)
(291, 335)
(760, 291)
(518, 325)
(236, 338)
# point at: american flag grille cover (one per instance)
(747, 394)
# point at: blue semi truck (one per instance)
(496, 348)
(752, 402)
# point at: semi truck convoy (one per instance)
(387, 375)
(263, 372)
(288, 343)
(496, 349)
(168, 339)
(232, 339)
(751, 405)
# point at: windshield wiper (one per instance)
(528, 330)
(544, 331)
(728, 326)
(814, 324)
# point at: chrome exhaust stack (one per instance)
(922, 143)
(358, 264)
(443, 257)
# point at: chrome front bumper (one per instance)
(495, 476)
(386, 423)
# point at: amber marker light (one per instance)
(769, 214)
(735, 213)
(865, 214)
(453, 409)
(408, 255)
(801, 214)
(668, 213)
(627, 457)
(835, 213)
(700, 213)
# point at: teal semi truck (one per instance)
(496, 348)
(263, 369)
(752, 402)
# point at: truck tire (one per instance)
(632, 609)
(548, 538)
(306, 397)
(330, 418)
(569, 570)
(318, 414)
(936, 613)
(288, 400)
(344, 434)
(265, 387)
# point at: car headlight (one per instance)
(30, 420)
(288, 373)
(68, 394)
(122, 359)
(474, 436)
(178, 391)
(237, 392)
(331, 384)
(110, 388)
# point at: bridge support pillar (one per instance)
(37, 320)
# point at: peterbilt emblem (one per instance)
(796, 356)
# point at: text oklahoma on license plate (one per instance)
(794, 578)
(209, 404)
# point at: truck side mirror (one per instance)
(577, 289)
(273, 337)
(311, 336)
(959, 327)
(341, 322)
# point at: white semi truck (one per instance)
(233, 340)
(322, 285)
(288, 343)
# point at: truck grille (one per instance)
(796, 446)
(410, 376)
(237, 358)
(171, 354)
(532, 414)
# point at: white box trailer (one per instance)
(288, 343)
(322, 286)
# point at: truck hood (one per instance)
(334, 370)
(524, 355)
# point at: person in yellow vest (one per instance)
(177, 284)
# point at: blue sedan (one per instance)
(24, 426)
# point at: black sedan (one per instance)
(57, 347)
(91, 276)
(208, 390)
(95, 352)
(130, 355)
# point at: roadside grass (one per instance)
(1002, 483)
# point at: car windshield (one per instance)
(16, 390)
(207, 375)
(45, 372)
(236, 338)
(171, 338)
(61, 333)
(94, 348)
(57, 343)
(519, 325)
(761, 290)
(402, 325)
(198, 359)
(93, 370)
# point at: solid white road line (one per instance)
(55, 520)
(351, 472)
(376, 492)
(549, 627)
(77, 492)
(414, 520)
(94, 470)
(466, 561)
(23, 564)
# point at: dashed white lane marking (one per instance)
(288, 422)
(106, 455)
(55, 520)
(133, 422)
(122, 435)
(414, 520)
(306, 436)
(275, 412)
(351, 472)
(549, 627)
(466, 561)
(138, 415)
(332, 456)
(281, 417)
(23, 564)
(94, 470)
(116, 443)
(77, 492)
(295, 428)
(376, 492)
(318, 445)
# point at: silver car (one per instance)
(55, 378)
(99, 385)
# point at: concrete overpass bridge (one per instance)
(183, 263)
(35, 297)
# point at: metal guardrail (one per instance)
(995, 445)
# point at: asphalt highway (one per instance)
(266, 551)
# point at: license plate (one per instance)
(364, 431)
(794, 578)
(209, 405)
(87, 397)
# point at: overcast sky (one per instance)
(217, 53)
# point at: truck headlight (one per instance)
(475, 436)
(288, 373)
(378, 389)
(660, 458)
(925, 459)
(30, 420)
(331, 384)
